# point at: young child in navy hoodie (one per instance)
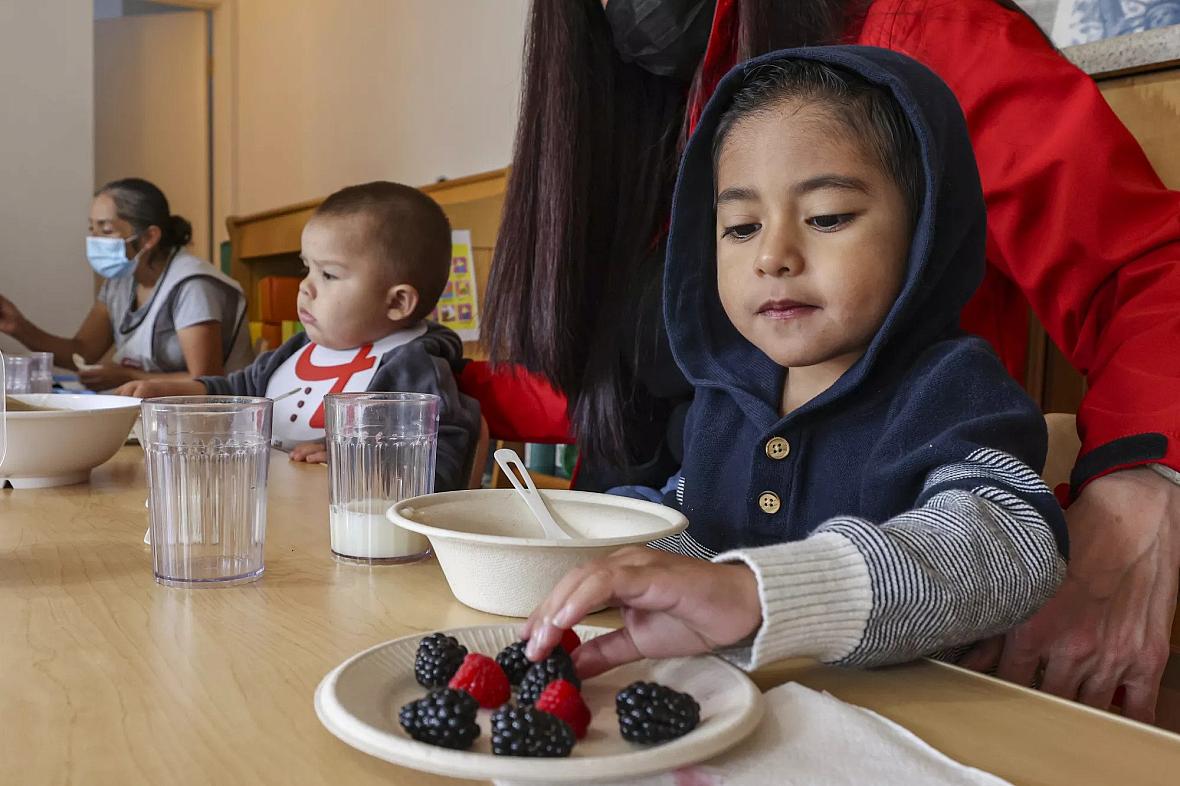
(860, 477)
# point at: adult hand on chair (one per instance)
(1110, 621)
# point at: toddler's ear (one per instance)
(401, 302)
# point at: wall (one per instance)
(151, 110)
(46, 159)
(327, 94)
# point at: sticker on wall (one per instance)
(458, 307)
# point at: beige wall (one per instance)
(46, 159)
(165, 140)
(330, 93)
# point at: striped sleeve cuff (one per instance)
(816, 598)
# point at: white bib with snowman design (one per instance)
(316, 371)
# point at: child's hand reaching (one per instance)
(311, 452)
(671, 606)
(151, 388)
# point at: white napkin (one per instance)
(808, 738)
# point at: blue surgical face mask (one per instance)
(108, 255)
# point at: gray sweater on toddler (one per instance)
(426, 364)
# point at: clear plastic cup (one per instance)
(41, 373)
(381, 450)
(207, 460)
(18, 374)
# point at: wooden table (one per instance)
(108, 678)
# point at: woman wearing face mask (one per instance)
(1080, 228)
(167, 313)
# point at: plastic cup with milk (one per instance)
(381, 450)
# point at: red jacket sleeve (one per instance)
(1077, 218)
(518, 406)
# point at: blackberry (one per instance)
(444, 717)
(439, 657)
(526, 731)
(513, 661)
(649, 712)
(557, 666)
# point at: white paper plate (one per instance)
(358, 701)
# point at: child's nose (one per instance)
(306, 289)
(778, 254)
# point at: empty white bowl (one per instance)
(494, 554)
(60, 445)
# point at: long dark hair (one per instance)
(142, 204)
(593, 169)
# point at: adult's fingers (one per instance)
(984, 656)
(1142, 692)
(603, 653)
(1097, 692)
(1064, 677)
(1018, 661)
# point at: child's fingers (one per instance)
(556, 598)
(544, 620)
(597, 588)
(311, 452)
(603, 653)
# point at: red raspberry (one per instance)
(562, 699)
(570, 641)
(483, 678)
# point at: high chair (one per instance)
(1063, 449)
(479, 457)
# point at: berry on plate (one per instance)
(444, 717)
(438, 658)
(557, 666)
(570, 640)
(514, 662)
(483, 678)
(563, 700)
(649, 713)
(526, 731)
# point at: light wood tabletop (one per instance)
(108, 678)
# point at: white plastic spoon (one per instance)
(510, 465)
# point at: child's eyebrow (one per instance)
(840, 182)
(321, 262)
(737, 194)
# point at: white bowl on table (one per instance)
(494, 554)
(59, 445)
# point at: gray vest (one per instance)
(139, 344)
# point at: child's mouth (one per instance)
(785, 309)
(305, 317)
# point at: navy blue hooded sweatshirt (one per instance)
(900, 512)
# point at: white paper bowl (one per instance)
(61, 445)
(492, 551)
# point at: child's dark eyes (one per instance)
(323, 274)
(831, 222)
(741, 231)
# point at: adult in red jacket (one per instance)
(1079, 227)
